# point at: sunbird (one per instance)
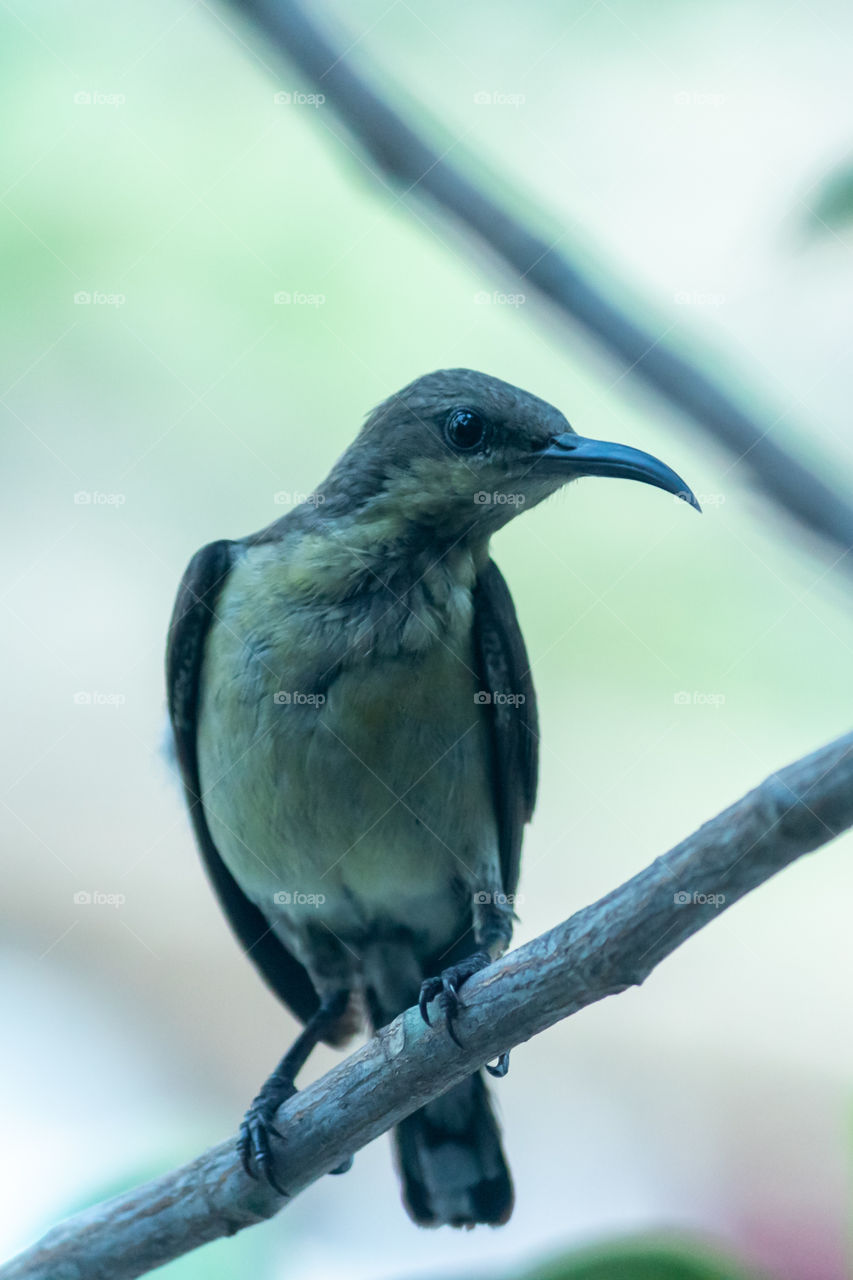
(356, 728)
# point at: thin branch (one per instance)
(402, 153)
(600, 951)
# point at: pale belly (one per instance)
(371, 808)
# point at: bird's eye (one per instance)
(465, 429)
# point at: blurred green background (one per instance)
(682, 150)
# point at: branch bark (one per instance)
(602, 950)
(402, 153)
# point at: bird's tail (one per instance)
(449, 1152)
(451, 1162)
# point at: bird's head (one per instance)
(456, 454)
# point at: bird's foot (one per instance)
(446, 987)
(253, 1144)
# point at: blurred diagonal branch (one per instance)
(600, 951)
(401, 151)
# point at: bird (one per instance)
(356, 728)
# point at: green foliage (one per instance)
(644, 1260)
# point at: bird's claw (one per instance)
(253, 1144)
(448, 1000)
(446, 988)
(429, 990)
(500, 1068)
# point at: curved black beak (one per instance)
(574, 455)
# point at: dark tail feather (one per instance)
(451, 1162)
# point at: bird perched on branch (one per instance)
(356, 727)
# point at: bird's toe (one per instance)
(253, 1143)
(446, 987)
(429, 990)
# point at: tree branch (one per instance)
(402, 153)
(600, 951)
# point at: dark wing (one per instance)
(504, 673)
(191, 619)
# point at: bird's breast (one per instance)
(362, 793)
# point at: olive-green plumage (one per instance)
(356, 726)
